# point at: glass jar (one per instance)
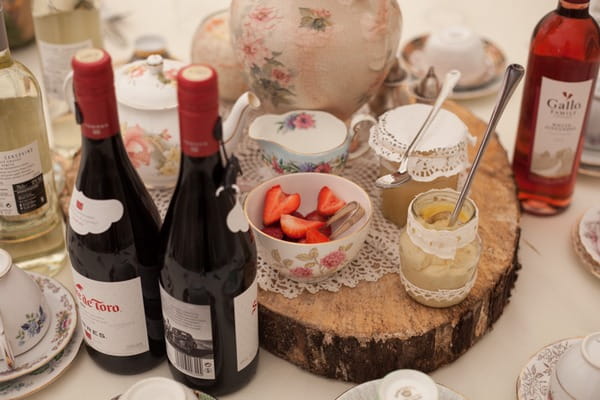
(439, 159)
(439, 263)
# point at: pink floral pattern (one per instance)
(333, 259)
(312, 265)
(138, 149)
(294, 121)
(136, 71)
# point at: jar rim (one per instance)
(449, 195)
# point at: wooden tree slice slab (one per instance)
(362, 333)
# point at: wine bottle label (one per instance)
(112, 315)
(560, 117)
(56, 64)
(188, 334)
(92, 216)
(245, 308)
(21, 180)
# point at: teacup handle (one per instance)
(359, 119)
(5, 347)
(68, 91)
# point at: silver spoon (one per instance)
(512, 76)
(401, 175)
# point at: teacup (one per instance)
(24, 317)
(302, 141)
(457, 47)
(577, 372)
(407, 384)
(158, 388)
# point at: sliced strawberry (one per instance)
(278, 203)
(315, 216)
(328, 203)
(296, 228)
(273, 231)
(316, 236)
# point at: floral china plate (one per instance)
(414, 58)
(46, 374)
(534, 379)
(368, 391)
(63, 320)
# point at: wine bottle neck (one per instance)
(574, 8)
(4, 50)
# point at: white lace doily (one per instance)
(378, 256)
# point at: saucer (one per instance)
(590, 162)
(414, 58)
(368, 391)
(45, 375)
(534, 379)
(63, 315)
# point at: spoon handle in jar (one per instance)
(512, 76)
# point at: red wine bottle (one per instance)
(561, 73)
(208, 280)
(113, 232)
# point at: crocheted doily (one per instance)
(378, 256)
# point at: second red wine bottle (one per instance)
(113, 232)
(209, 275)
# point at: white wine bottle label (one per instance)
(561, 112)
(112, 315)
(21, 180)
(245, 308)
(188, 334)
(92, 216)
(56, 64)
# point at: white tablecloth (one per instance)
(554, 296)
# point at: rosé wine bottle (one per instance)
(564, 56)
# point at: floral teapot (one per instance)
(329, 55)
(147, 102)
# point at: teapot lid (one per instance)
(442, 151)
(5, 262)
(149, 84)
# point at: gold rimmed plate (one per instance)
(489, 83)
(534, 380)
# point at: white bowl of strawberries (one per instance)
(288, 216)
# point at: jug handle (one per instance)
(69, 96)
(5, 348)
(360, 127)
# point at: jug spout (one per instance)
(233, 125)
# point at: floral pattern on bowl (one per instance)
(302, 141)
(311, 263)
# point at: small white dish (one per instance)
(160, 388)
(414, 58)
(368, 391)
(63, 315)
(46, 374)
(534, 380)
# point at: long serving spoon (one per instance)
(512, 76)
(401, 175)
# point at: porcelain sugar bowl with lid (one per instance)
(439, 159)
(147, 102)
